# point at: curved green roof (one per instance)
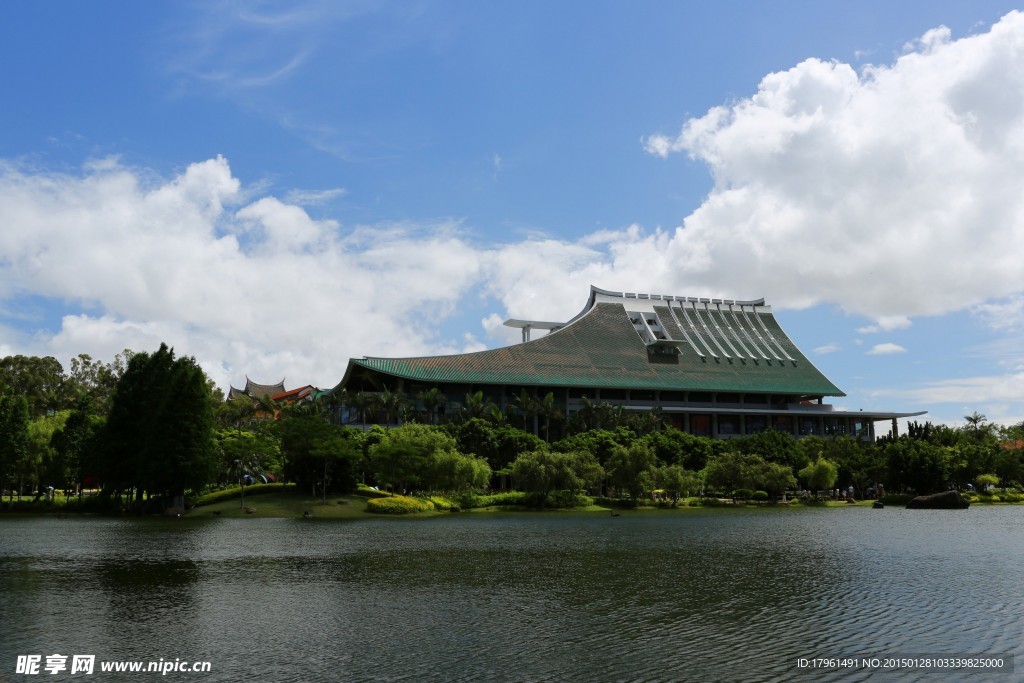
(722, 346)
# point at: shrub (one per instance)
(1012, 497)
(442, 503)
(760, 496)
(398, 505)
(493, 499)
(742, 494)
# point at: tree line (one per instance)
(148, 428)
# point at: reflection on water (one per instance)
(687, 595)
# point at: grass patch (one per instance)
(236, 492)
(286, 504)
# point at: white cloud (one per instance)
(1005, 314)
(886, 349)
(886, 323)
(826, 349)
(968, 391)
(314, 197)
(892, 192)
(260, 288)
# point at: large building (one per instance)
(714, 367)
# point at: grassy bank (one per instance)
(285, 504)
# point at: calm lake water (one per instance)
(695, 595)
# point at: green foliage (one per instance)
(508, 498)
(541, 472)
(742, 494)
(677, 481)
(984, 481)
(398, 505)
(159, 435)
(896, 499)
(40, 381)
(676, 447)
(820, 474)
(600, 443)
(729, 471)
(443, 503)
(760, 496)
(403, 457)
(364, 490)
(15, 453)
(632, 470)
(772, 446)
(450, 470)
(917, 465)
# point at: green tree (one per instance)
(677, 481)
(14, 441)
(75, 444)
(728, 471)
(40, 381)
(632, 470)
(449, 470)
(820, 474)
(542, 472)
(159, 434)
(676, 447)
(402, 458)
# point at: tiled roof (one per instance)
(724, 346)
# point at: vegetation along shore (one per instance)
(150, 434)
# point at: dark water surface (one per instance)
(695, 595)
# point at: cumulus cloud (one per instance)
(886, 349)
(892, 191)
(258, 287)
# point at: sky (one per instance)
(274, 188)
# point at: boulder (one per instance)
(947, 500)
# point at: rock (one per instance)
(948, 500)
(878, 505)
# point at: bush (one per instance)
(444, 504)
(471, 500)
(897, 498)
(398, 505)
(1013, 497)
(760, 496)
(236, 492)
(742, 494)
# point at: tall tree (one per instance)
(159, 435)
(14, 441)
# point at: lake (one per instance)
(694, 595)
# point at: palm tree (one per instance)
(976, 424)
(362, 402)
(546, 407)
(391, 403)
(526, 405)
(477, 405)
(433, 399)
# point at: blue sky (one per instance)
(276, 187)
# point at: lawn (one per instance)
(287, 504)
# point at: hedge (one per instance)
(398, 505)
